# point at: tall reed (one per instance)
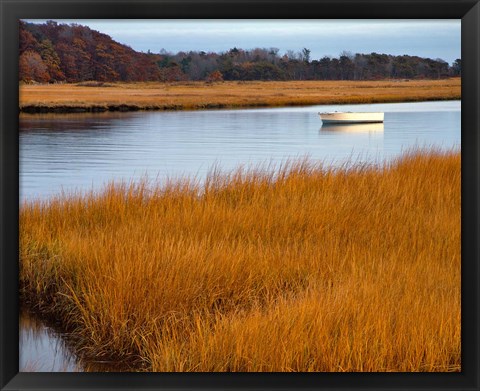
(301, 268)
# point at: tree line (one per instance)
(52, 52)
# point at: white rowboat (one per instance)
(350, 118)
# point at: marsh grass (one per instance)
(90, 96)
(303, 268)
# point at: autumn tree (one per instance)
(215, 76)
(32, 68)
(51, 60)
(456, 69)
(27, 41)
(306, 55)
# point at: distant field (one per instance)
(300, 269)
(90, 96)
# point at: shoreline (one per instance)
(40, 109)
(123, 97)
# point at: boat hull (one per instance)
(351, 118)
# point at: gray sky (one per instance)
(424, 38)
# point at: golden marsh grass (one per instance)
(201, 95)
(302, 268)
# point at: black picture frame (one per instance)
(13, 10)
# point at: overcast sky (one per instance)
(424, 38)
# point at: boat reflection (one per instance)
(352, 128)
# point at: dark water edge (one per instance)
(34, 109)
(61, 109)
(43, 347)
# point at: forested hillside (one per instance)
(53, 52)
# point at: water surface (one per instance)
(42, 349)
(83, 151)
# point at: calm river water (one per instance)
(83, 151)
(41, 349)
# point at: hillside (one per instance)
(73, 53)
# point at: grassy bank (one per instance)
(200, 95)
(311, 269)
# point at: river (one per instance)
(72, 152)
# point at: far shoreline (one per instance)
(92, 97)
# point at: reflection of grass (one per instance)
(41, 350)
(31, 366)
(309, 270)
(199, 95)
(39, 366)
